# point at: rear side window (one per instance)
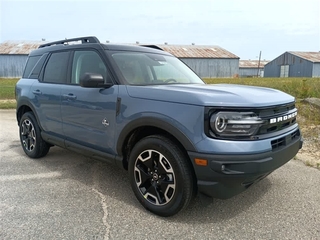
(37, 69)
(31, 62)
(56, 68)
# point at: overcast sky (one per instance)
(243, 27)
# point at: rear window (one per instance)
(31, 62)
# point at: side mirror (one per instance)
(93, 80)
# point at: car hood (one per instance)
(212, 94)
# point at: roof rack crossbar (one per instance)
(82, 39)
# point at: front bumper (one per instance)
(228, 175)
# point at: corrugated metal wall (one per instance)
(316, 70)
(298, 67)
(249, 72)
(212, 68)
(12, 65)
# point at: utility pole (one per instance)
(259, 64)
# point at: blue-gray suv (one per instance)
(144, 110)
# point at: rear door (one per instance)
(47, 92)
(88, 114)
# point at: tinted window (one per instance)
(87, 62)
(56, 68)
(37, 69)
(31, 62)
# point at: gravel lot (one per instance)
(68, 196)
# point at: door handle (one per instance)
(37, 92)
(69, 96)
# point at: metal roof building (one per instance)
(13, 57)
(206, 61)
(294, 64)
(252, 68)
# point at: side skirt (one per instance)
(89, 152)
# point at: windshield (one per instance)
(148, 69)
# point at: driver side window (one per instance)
(87, 62)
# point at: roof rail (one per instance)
(65, 41)
(152, 46)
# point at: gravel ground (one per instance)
(68, 196)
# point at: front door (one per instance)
(89, 114)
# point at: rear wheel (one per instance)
(30, 137)
(161, 176)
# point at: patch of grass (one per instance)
(8, 104)
(7, 86)
(309, 112)
(308, 163)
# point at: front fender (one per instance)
(164, 124)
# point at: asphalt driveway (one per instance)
(68, 196)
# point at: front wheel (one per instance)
(161, 176)
(30, 137)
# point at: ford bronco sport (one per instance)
(144, 110)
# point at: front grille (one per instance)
(276, 110)
(276, 118)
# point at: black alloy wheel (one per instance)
(161, 175)
(30, 137)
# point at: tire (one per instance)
(161, 176)
(30, 137)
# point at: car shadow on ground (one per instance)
(113, 182)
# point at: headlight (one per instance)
(233, 124)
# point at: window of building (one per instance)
(284, 71)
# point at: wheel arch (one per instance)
(147, 126)
(22, 108)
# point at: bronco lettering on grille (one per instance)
(283, 118)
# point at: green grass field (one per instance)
(7, 88)
(7, 93)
